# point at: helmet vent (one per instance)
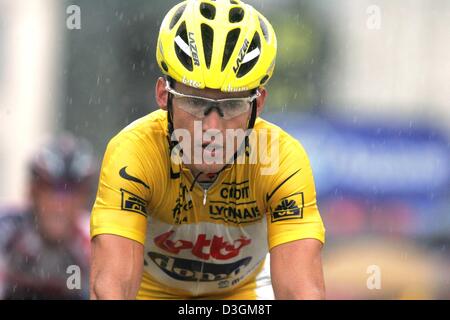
(264, 28)
(264, 80)
(252, 56)
(208, 11)
(208, 40)
(230, 44)
(176, 17)
(164, 66)
(236, 15)
(182, 47)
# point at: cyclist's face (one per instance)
(56, 210)
(213, 122)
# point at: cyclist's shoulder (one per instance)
(144, 133)
(155, 121)
(152, 125)
(285, 140)
(283, 154)
(12, 215)
(11, 220)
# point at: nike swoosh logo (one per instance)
(268, 196)
(123, 173)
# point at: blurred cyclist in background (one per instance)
(37, 245)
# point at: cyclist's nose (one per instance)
(212, 119)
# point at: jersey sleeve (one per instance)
(292, 212)
(124, 190)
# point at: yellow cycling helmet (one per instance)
(223, 44)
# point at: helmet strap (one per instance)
(251, 124)
(170, 127)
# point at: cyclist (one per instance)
(43, 245)
(184, 207)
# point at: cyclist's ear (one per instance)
(161, 93)
(261, 100)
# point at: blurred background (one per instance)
(364, 85)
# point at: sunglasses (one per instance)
(200, 107)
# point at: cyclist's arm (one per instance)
(296, 270)
(119, 217)
(116, 267)
(295, 228)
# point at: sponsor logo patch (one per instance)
(133, 203)
(290, 207)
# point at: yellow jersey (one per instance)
(203, 243)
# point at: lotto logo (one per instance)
(203, 247)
